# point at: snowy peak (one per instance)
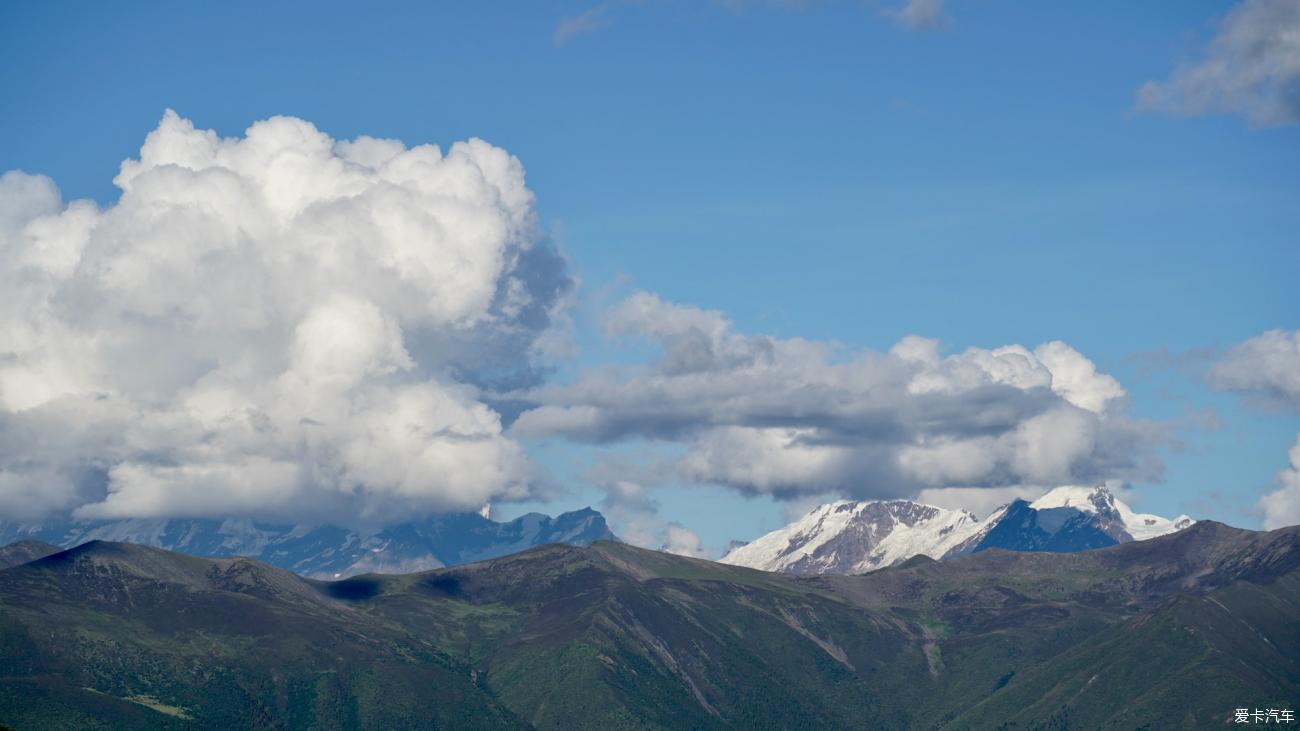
(1097, 500)
(852, 537)
(1114, 513)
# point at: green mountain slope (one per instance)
(1180, 666)
(105, 630)
(1170, 633)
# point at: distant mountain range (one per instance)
(839, 537)
(328, 551)
(1172, 632)
(849, 537)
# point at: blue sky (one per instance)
(822, 173)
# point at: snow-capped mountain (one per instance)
(1101, 502)
(853, 537)
(328, 551)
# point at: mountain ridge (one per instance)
(329, 551)
(611, 636)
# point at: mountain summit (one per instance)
(1116, 514)
(846, 537)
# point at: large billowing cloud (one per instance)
(1250, 67)
(796, 417)
(277, 324)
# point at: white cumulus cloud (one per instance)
(1282, 507)
(274, 324)
(1266, 369)
(683, 541)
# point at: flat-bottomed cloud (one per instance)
(792, 417)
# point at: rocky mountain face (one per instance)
(331, 552)
(1171, 632)
(855, 537)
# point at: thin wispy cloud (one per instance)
(920, 14)
(740, 6)
(589, 21)
(912, 14)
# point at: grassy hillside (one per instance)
(21, 552)
(1170, 633)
